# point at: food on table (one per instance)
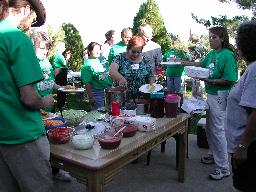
(52, 122)
(71, 87)
(82, 141)
(129, 130)
(107, 141)
(60, 135)
(89, 126)
(74, 117)
(151, 88)
(44, 113)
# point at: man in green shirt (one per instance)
(24, 148)
(121, 46)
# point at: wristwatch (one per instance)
(241, 146)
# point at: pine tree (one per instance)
(149, 13)
(73, 43)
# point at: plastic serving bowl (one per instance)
(129, 130)
(82, 141)
(107, 141)
(60, 135)
(57, 119)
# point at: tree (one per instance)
(149, 13)
(244, 4)
(54, 38)
(73, 43)
(231, 24)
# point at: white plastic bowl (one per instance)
(82, 141)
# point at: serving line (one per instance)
(96, 170)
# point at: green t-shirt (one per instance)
(223, 66)
(175, 71)
(59, 61)
(96, 73)
(19, 67)
(116, 50)
(45, 87)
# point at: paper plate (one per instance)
(50, 116)
(171, 63)
(71, 90)
(147, 89)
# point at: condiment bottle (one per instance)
(171, 105)
(115, 108)
(157, 104)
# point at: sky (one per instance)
(95, 17)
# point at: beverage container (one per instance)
(171, 105)
(115, 108)
(157, 104)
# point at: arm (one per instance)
(249, 134)
(89, 92)
(220, 82)
(32, 100)
(115, 75)
(190, 63)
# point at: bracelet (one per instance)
(241, 146)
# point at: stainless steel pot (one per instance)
(115, 94)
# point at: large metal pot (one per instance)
(115, 94)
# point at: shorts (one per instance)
(244, 172)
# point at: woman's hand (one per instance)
(123, 82)
(91, 101)
(48, 101)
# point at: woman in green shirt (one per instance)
(95, 75)
(223, 74)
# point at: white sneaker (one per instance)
(219, 173)
(62, 176)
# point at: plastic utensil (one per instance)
(119, 131)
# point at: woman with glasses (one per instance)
(222, 65)
(130, 69)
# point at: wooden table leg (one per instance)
(95, 181)
(182, 156)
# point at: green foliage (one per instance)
(149, 13)
(54, 38)
(231, 24)
(73, 43)
(244, 4)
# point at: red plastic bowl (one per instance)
(129, 130)
(60, 135)
(107, 141)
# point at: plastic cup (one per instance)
(171, 105)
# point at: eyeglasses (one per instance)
(134, 52)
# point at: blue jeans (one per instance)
(174, 84)
(98, 95)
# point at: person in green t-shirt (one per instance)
(24, 148)
(223, 68)
(48, 85)
(60, 72)
(121, 46)
(174, 73)
(95, 75)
